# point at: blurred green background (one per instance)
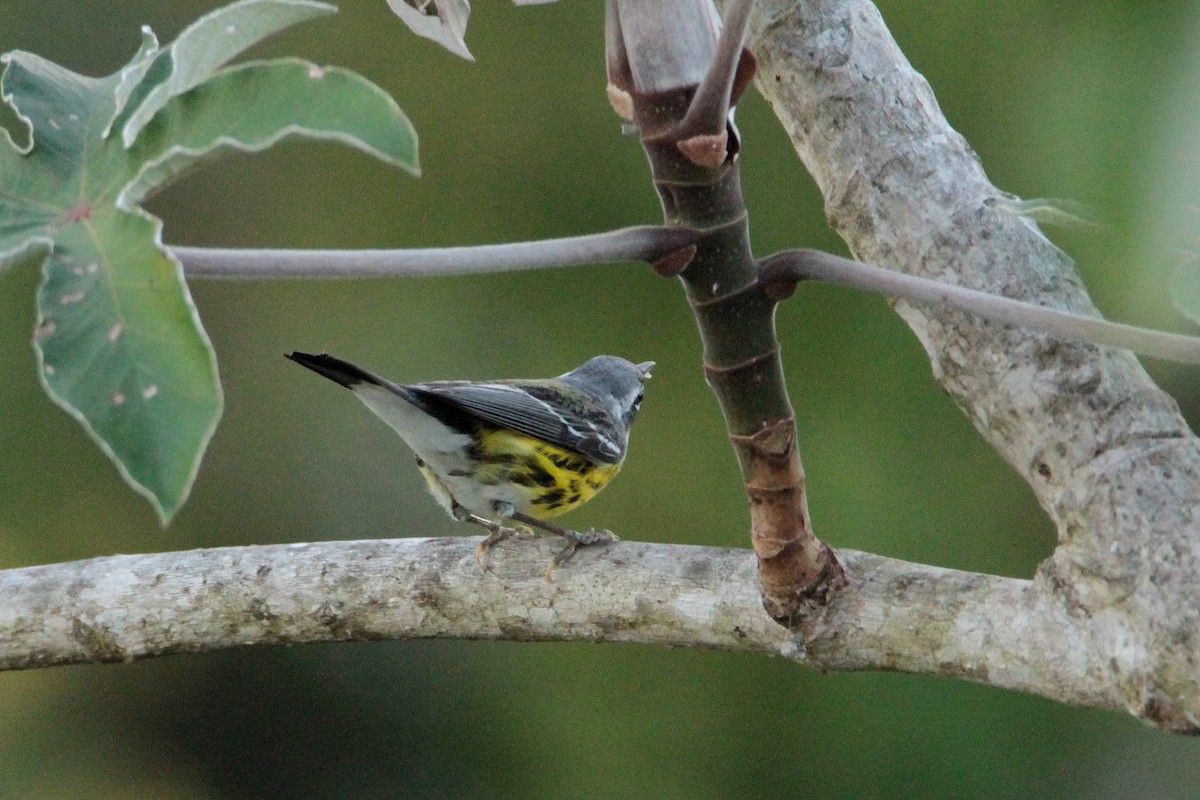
(1098, 102)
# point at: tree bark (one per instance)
(895, 615)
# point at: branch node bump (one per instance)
(779, 289)
(621, 101)
(705, 150)
(795, 609)
(675, 262)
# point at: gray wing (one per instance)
(588, 431)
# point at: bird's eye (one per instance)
(637, 401)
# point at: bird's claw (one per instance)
(577, 539)
(496, 534)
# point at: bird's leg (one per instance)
(497, 532)
(575, 539)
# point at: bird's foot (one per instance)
(577, 539)
(496, 534)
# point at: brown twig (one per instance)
(699, 187)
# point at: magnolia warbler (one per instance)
(523, 450)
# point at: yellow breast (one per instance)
(554, 480)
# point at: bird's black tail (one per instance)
(336, 370)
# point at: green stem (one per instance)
(643, 243)
(781, 272)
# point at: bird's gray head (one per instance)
(615, 382)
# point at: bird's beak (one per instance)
(644, 368)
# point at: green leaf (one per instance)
(122, 350)
(118, 339)
(252, 106)
(210, 42)
(442, 21)
(129, 78)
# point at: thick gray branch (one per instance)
(124, 608)
(1107, 453)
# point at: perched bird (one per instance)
(522, 450)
